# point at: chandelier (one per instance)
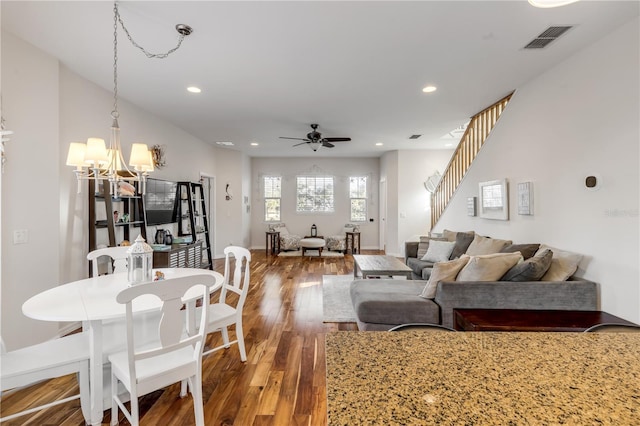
(95, 161)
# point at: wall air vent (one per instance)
(547, 36)
(414, 136)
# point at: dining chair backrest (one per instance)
(613, 328)
(238, 280)
(117, 259)
(421, 326)
(172, 325)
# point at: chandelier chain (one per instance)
(114, 113)
(146, 52)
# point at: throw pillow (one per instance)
(488, 267)
(423, 245)
(563, 264)
(438, 251)
(442, 271)
(463, 240)
(449, 235)
(283, 231)
(531, 269)
(527, 250)
(485, 245)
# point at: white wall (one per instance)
(414, 202)
(29, 187)
(49, 106)
(578, 119)
(230, 214)
(300, 223)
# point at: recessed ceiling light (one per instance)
(429, 89)
(225, 143)
(379, 144)
(193, 89)
(254, 144)
(448, 144)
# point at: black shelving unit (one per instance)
(104, 201)
(192, 214)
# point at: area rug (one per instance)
(336, 301)
(310, 253)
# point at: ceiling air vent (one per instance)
(414, 136)
(547, 36)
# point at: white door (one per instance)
(383, 215)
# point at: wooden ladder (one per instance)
(472, 140)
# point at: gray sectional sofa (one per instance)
(385, 303)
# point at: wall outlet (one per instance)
(20, 236)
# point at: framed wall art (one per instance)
(525, 198)
(494, 200)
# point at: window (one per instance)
(314, 194)
(358, 196)
(272, 194)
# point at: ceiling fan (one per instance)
(315, 139)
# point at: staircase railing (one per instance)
(472, 140)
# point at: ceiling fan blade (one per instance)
(327, 144)
(295, 139)
(337, 139)
(301, 143)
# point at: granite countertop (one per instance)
(489, 378)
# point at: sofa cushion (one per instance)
(392, 302)
(488, 267)
(449, 235)
(438, 251)
(463, 240)
(531, 269)
(418, 265)
(486, 245)
(563, 264)
(424, 244)
(527, 250)
(442, 271)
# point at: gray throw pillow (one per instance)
(531, 269)
(463, 240)
(527, 250)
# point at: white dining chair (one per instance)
(48, 360)
(144, 368)
(117, 259)
(223, 314)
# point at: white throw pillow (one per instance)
(442, 271)
(438, 251)
(563, 264)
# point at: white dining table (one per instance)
(93, 302)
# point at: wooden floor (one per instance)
(283, 380)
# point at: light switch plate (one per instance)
(20, 236)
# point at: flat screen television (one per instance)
(160, 201)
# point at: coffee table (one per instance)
(530, 320)
(376, 265)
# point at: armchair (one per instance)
(287, 241)
(338, 242)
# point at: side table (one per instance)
(272, 241)
(352, 242)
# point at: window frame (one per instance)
(267, 199)
(332, 195)
(361, 196)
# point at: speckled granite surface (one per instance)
(418, 378)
